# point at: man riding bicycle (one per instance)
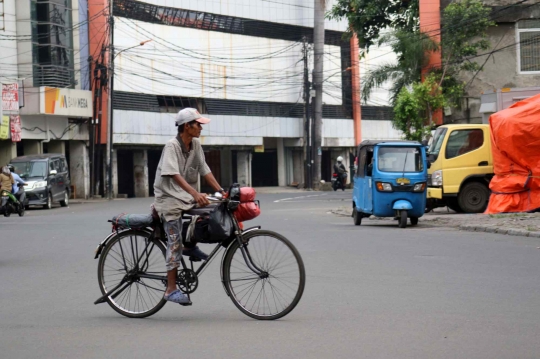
(181, 163)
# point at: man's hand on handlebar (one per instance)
(201, 199)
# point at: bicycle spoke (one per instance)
(127, 258)
(274, 292)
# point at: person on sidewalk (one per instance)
(181, 163)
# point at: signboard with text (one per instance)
(65, 102)
(4, 128)
(15, 128)
(10, 97)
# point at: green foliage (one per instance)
(368, 17)
(411, 50)
(464, 25)
(414, 109)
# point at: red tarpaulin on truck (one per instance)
(515, 143)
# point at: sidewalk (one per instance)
(517, 224)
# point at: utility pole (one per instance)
(109, 103)
(318, 47)
(307, 119)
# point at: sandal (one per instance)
(178, 297)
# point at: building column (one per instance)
(298, 167)
(32, 147)
(226, 168)
(57, 147)
(8, 150)
(243, 163)
(114, 168)
(282, 167)
(79, 169)
(140, 173)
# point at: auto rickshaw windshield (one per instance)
(400, 159)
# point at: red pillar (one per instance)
(98, 39)
(430, 23)
(355, 79)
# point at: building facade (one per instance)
(241, 63)
(45, 62)
(512, 62)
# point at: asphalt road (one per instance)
(374, 291)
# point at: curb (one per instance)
(500, 230)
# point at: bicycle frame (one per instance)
(238, 232)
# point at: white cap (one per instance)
(339, 159)
(190, 114)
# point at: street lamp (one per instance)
(110, 85)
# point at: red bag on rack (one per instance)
(248, 208)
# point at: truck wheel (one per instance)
(357, 217)
(473, 198)
(402, 219)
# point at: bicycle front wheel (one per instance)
(131, 271)
(277, 290)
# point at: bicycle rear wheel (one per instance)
(278, 290)
(125, 259)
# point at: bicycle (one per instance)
(261, 271)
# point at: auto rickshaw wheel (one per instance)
(414, 221)
(357, 217)
(403, 219)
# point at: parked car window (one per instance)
(30, 169)
(63, 164)
(464, 141)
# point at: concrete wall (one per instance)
(8, 150)
(57, 147)
(243, 163)
(79, 169)
(153, 128)
(140, 173)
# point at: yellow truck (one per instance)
(461, 168)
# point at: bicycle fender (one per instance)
(402, 205)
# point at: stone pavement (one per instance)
(517, 224)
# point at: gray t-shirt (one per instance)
(171, 199)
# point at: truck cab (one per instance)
(461, 168)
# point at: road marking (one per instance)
(292, 198)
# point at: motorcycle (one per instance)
(10, 204)
(338, 181)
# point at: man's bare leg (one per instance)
(171, 281)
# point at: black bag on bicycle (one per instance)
(220, 224)
(201, 232)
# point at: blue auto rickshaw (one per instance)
(390, 181)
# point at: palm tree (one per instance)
(412, 50)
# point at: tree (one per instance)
(411, 50)
(413, 110)
(367, 18)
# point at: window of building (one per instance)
(528, 36)
(52, 43)
(464, 141)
